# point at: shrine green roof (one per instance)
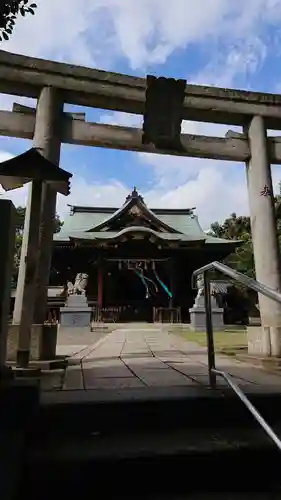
(105, 223)
(81, 222)
(110, 235)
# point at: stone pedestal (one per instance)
(76, 312)
(259, 340)
(255, 340)
(43, 341)
(198, 315)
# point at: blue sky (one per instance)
(211, 42)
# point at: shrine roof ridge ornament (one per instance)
(133, 200)
(134, 195)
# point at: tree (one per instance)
(9, 10)
(21, 217)
(237, 228)
(19, 235)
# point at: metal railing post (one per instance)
(213, 372)
(209, 331)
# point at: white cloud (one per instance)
(172, 171)
(148, 31)
(58, 30)
(82, 193)
(93, 194)
(242, 58)
(210, 192)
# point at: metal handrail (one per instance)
(268, 430)
(213, 372)
(241, 278)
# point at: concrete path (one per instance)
(150, 357)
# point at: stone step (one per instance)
(151, 444)
(149, 408)
(144, 464)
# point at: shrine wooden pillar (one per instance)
(100, 283)
(172, 282)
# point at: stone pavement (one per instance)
(151, 357)
(72, 340)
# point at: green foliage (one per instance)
(19, 234)
(239, 228)
(21, 217)
(9, 10)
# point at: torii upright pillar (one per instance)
(47, 138)
(264, 236)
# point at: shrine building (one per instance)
(139, 260)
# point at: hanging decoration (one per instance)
(142, 278)
(163, 285)
(147, 281)
(141, 268)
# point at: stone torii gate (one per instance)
(164, 103)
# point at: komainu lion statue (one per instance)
(80, 285)
(200, 286)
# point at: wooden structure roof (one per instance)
(134, 220)
(31, 165)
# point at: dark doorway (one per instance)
(136, 299)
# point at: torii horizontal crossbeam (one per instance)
(26, 76)
(80, 132)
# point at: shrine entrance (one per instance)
(137, 288)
